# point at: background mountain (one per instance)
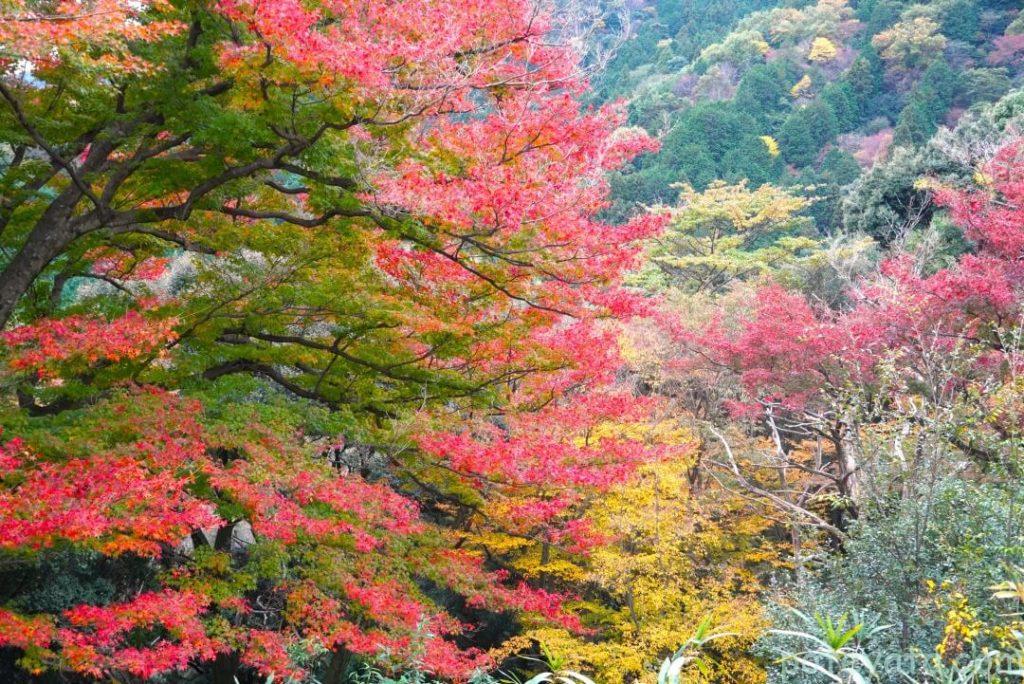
(811, 95)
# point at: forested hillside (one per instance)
(511, 342)
(802, 94)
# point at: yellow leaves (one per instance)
(910, 44)
(728, 232)
(802, 87)
(564, 569)
(673, 556)
(772, 144)
(962, 626)
(665, 534)
(822, 50)
(668, 432)
(503, 543)
(741, 208)
(737, 48)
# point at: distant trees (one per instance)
(910, 46)
(805, 131)
(763, 92)
(727, 233)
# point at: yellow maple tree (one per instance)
(802, 87)
(677, 553)
(822, 50)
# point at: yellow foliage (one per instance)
(672, 551)
(728, 233)
(663, 432)
(911, 44)
(677, 555)
(772, 144)
(802, 87)
(822, 50)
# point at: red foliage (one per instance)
(158, 483)
(788, 353)
(1009, 50)
(500, 174)
(41, 347)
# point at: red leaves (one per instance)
(149, 481)
(993, 219)
(40, 346)
(530, 179)
(485, 179)
(131, 499)
(97, 640)
(430, 39)
(1009, 50)
(783, 350)
(789, 353)
(546, 463)
(26, 633)
(116, 504)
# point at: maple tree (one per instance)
(728, 233)
(294, 293)
(907, 344)
(150, 484)
(315, 351)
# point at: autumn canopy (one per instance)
(329, 348)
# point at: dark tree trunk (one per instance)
(45, 243)
(338, 667)
(225, 668)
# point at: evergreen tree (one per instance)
(764, 91)
(915, 126)
(753, 161)
(839, 167)
(962, 21)
(805, 132)
(840, 98)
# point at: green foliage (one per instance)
(726, 233)
(699, 73)
(805, 131)
(962, 20)
(915, 126)
(828, 648)
(751, 160)
(763, 92)
(905, 546)
(842, 100)
(838, 167)
(690, 655)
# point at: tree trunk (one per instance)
(850, 482)
(46, 242)
(338, 667)
(225, 668)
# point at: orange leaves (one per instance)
(26, 632)
(74, 29)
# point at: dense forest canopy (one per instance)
(511, 341)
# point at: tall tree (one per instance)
(250, 251)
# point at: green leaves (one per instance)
(832, 649)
